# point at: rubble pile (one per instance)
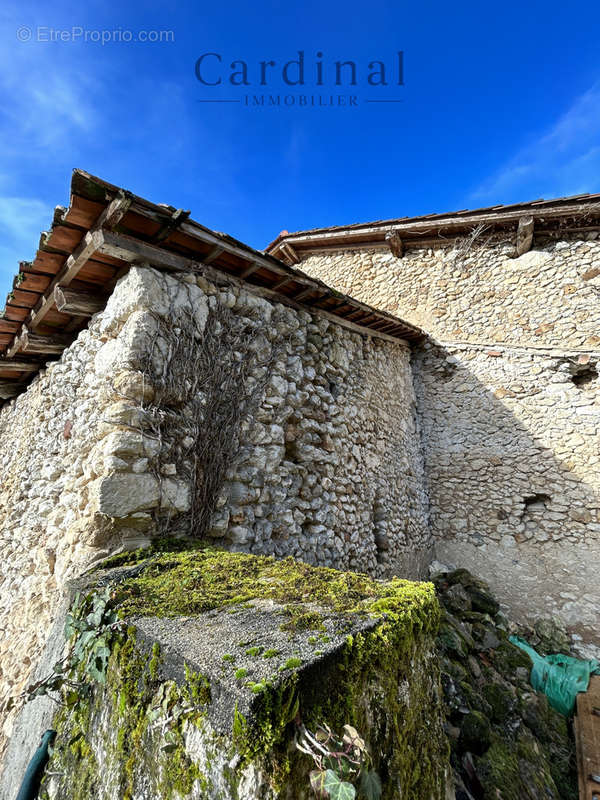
(507, 742)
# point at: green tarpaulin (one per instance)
(559, 677)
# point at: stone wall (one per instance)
(509, 399)
(476, 292)
(512, 463)
(186, 408)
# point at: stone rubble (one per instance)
(507, 742)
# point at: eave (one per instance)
(105, 230)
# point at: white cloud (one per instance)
(563, 160)
(21, 220)
(20, 217)
(44, 110)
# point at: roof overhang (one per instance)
(551, 218)
(105, 230)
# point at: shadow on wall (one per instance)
(511, 449)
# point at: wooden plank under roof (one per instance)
(104, 230)
(433, 230)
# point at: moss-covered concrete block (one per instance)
(225, 657)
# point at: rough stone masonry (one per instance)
(201, 407)
(509, 404)
(314, 445)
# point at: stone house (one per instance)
(369, 397)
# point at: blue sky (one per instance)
(500, 103)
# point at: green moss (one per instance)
(228, 657)
(197, 688)
(301, 619)
(508, 658)
(361, 686)
(240, 673)
(155, 661)
(254, 651)
(515, 771)
(190, 582)
(132, 695)
(270, 653)
(293, 663)
(475, 734)
(257, 688)
(501, 700)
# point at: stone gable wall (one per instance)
(509, 402)
(311, 450)
(476, 292)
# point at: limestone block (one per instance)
(140, 288)
(175, 496)
(134, 385)
(121, 494)
(124, 443)
(123, 413)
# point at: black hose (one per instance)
(30, 784)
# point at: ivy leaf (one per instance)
(337, 789)
(72, 698)
(317, 782)
(94, 618)
(83, 641)
(96, 672)
(370, 784)
(331, 781)
(352, 738)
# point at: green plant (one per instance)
(257, 688)
(342, 764)
(240, 673)
(90, 627)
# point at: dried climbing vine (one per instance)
(205, 395)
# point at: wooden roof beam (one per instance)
(11, 365)
(31, 342)
(78, 303)
(171, 225)
(254, 266)
(131, 250)
(524, 235)
(289, 252)
(305, 292)
(214, 253)
(115, 210)
(440, 224)
(394, 242)
(110, 216)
